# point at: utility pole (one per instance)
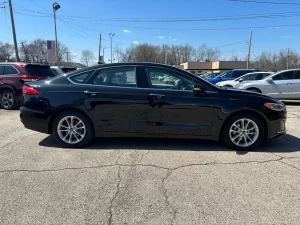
(13, 30)
(111, 54)
(25, 52)
(99, 54)
(249, 50)
(103, 55)
(68, 59)
(166, 57)
(288, 59)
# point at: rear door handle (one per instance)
(91, 92)
(157, 95)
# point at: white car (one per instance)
(282, 85)
(245, 78)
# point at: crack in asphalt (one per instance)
(295, 115)
(18, 139)
(143, 155)
(114, 197)
(165, 193)
(148, 165)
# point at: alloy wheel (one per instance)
(244, 132)
(7, 100)
(71, 129)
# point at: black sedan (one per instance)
(95, 102)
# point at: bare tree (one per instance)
(87, 56)
(6, 51)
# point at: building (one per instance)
(212, 67)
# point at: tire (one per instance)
(8, 100)
(237, 138)
(79, 137)
(254, 90)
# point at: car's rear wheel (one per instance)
(8, 100)
(72, 129)
(244, 132)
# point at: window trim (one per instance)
(10, 74)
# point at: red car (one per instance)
(12, 78)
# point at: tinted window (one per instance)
(81, 78)
(1, 70)
(284, 76)
(250, 77)
(117, 76)
(239, 73)
(9, 70)
(226, 74)
(168, 79)
(41, 71)
(297, 75)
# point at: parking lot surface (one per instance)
(147, 181)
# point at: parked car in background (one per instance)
(281, 85)
(230, 75)
(61, 70)
(246, 78)
(57, 70)
(142, 107)
(12, 78)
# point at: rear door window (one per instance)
(288, 75)
(297, 75)
(39, 70)
(10, 70)
(1, 70)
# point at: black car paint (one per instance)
(122, 111)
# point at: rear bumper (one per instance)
(34, 120)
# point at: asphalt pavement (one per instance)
(147, 181)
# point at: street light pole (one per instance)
(56, 6)
(111, 55)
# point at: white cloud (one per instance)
(126, 31)
(286, 36)
(161, 37)
(174, 39)
(135, 42)
(276, 27)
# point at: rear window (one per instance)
(41, 71)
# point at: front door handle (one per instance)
(157, 95)
(91, 92)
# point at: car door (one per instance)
(115, 100)
(173, 109)
(280, 85)
(296, 85)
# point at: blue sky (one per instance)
(81, 22)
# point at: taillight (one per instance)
(30, 91)
(30, 78)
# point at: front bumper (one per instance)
(276, 128)
(34, 120)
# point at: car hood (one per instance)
(238, 92)
(226, 82)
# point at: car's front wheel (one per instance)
(244, 132)
(72, 129)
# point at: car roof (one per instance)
(124, 64)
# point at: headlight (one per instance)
(275, 106)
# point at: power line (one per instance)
(203, 29)
(272, 3)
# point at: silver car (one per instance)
(281, 85)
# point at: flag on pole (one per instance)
(51, 51)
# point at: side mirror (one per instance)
(220, 78)
(198, 90)
(241, 80)
(270, 79)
